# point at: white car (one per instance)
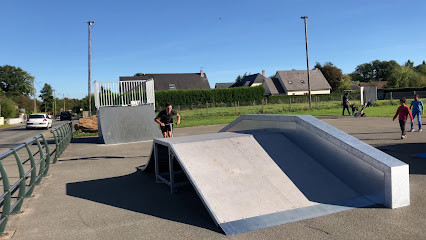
(39, 120)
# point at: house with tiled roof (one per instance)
(173, 81)
(295, 82)
(223, 85)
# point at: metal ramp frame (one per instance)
(168, 177)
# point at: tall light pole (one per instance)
(307, 60)
(89, 95)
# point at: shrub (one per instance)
(8, 108)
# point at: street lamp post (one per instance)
(89, 95)
(307, 61)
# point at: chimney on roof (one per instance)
(263, 72)
(202, 73)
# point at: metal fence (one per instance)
(124, 93)
(398, 95)
(25, 166)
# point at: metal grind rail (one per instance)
(37, 155)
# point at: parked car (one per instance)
(65, 116)
(39, 120)
(58, 117)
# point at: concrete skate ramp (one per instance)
(267, 171)
(125, 124)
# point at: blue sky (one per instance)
(49, 38)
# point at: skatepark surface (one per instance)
(95, 193)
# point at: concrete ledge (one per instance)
(378, 176)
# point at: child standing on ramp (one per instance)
(418, 110)
(165, 119)
(403, 112)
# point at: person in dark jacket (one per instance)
(165, 120)
(346, 104)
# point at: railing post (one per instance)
(61, 143)
(21, 193)
(46, 146)
(55, 133)
(33, 172)
(42, 165)
(6, 202)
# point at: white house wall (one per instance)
(306, 92)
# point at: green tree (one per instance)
(409, 64)
(421, 68)
(374, 71)
(240, 78)
(14, 81)
(404, 77)
(85, 104)
(345, 83)
(26, 103)
(333, 75)
(47, 98)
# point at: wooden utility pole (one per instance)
(64, 101)
(307, 60)
(89, 94)
(34, 94)
(54, 102)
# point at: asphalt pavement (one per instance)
(94, 192)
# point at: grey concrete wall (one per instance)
(368, 94)
(126, 124)
(376, 175)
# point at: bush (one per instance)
(8, 108)
(227, 96)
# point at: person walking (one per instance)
(417, 109)
(403, 112)
(165, 120)
(346, 104)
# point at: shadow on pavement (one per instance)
(98, 158)
(139, 192)
(94, 139)
(406, 152)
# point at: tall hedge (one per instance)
(304, 98)
(199, 97)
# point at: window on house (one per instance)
(172, 86)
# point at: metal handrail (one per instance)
(63, 136)
(124, 93)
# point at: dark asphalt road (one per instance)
(14, 136)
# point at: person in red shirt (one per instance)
(403, 112)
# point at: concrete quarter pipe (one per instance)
(266, 170)
(124, 124)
